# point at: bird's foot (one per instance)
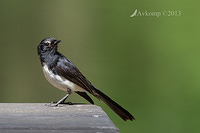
(53, 104)
(56, 104)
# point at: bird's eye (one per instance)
(53, 42)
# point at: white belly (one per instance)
(59, 81)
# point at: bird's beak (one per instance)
(56, 42)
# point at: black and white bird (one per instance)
(64, 75)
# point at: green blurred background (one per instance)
(148, 65)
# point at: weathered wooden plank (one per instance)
(35, 117)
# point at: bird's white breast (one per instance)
(59, 81)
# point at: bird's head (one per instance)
(48, 45)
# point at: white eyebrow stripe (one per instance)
(47, 42)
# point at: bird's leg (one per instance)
(61, 100)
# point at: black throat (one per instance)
(50, 58)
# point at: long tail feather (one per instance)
(84, 95)
(124, 114)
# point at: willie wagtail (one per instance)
(64, 75)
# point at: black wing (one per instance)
(68, 70)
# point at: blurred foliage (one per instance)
(148, 65)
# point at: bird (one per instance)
(64, 75)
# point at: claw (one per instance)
(53, 105)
